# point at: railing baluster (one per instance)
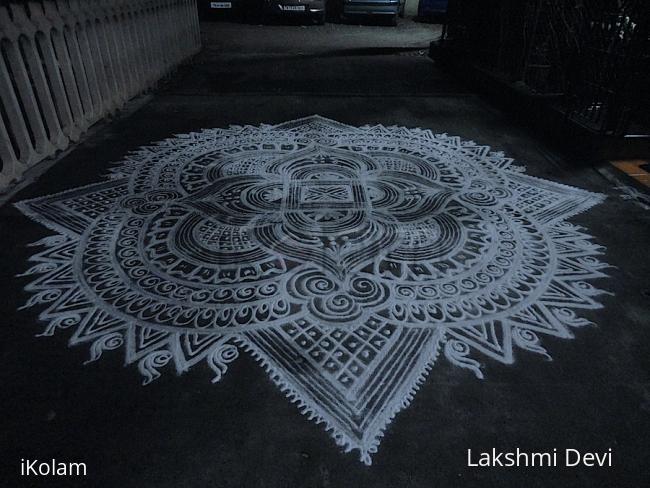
(67, 64)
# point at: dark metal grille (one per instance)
(594, 52)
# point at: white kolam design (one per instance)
(345, 260)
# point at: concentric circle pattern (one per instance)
(344, 259)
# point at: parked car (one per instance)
(389, 9)
(432, 9)
(316, 9)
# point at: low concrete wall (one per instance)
(66, 64)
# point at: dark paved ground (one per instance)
(186, 432)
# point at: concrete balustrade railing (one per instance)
(66, 64)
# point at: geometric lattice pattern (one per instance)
(344, 259)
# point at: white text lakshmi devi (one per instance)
(556, 458)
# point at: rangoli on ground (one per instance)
(345, 260)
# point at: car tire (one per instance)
(321, 18)
(393, 20)
(402, 7)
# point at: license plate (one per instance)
(220, 4)
(294, 8)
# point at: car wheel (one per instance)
(393, 20)
(321, 17)
(401, 9)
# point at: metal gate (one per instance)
(594, 53)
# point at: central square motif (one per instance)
(306, 193)
(326, 193)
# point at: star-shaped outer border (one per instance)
(355, 422)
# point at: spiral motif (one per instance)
(150, 364)
(113, 341)
(108, 342)
(312, 283)
(408, 292)
(367, 291)
(326, 141)
(565, 314)
(133, 201)
(228, 353)
(268, 290)
(339, 303)
(526, 335)
(39, 269)
(501, 193)
(200, 296)
(146, 208)
(220, 358)
(162, 195)
(479, 198)
(66, 322)
(459, 347)
(336, 308)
